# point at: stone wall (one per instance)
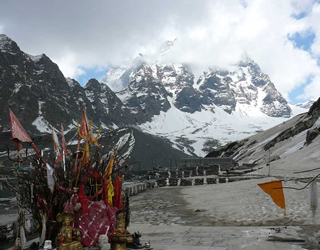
(184, 173)
(202, 180)
(136, 188)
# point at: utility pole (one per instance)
(269, 163)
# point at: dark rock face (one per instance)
(107, 108)
(35, 85)
(188, 100)
(244, 86)
(312, 134)
(216, 91)
(41, 96)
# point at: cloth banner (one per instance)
(275, 190)
(63, 150)
(117, 192)
(100, 217)
(85, 130)
(108, 170)
(18, 133)
(55, 139)
(50, 179)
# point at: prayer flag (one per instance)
(18, 133)
(50, 180)
(56, 144)
(63, 149)
(274, 189)
(108, 170)
(85, 130)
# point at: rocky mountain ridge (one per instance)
(160, 99)
(244, 85)
(42, 99)
(220, 105)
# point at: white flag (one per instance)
(50, 179)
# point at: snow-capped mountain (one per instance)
(34, 88)
(305, 105)
(218, 107)
(156, 97)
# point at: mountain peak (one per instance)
(7, 44)
(93, 84)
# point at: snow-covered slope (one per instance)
(293, 145)
(191, 131)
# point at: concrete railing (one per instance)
(139, 187)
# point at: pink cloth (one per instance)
(100, 216)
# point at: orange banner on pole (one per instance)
(275, 190)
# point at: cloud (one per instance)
(69, 63)
(311, 89)
(93, 34)
(260, 29)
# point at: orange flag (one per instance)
(274, 189)
(108, 170)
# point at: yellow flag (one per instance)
(110, 192)
(108, 169)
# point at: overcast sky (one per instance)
(84, 37)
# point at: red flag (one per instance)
(18, 133)
(63, 148)
(84, 129)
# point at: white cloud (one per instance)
(261, 31)
(68, 63)
(312, 90)
(315, 22)
(210, 33)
